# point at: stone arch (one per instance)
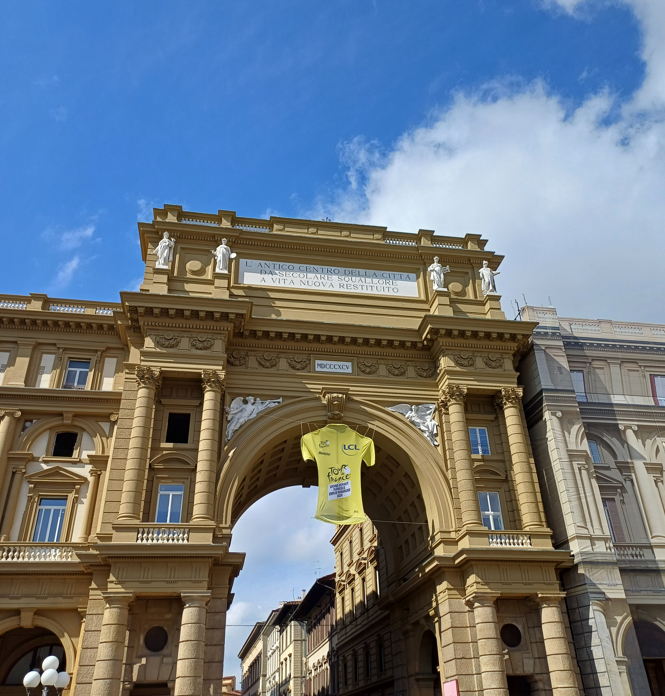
(613, 447)
(428, 652)
(87, 425)
(264, 456)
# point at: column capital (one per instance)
(196, 599)
(94, 472)
(148, 377)
(118, 599)
(9, 412)
(508, 396)
(211, 380)
(453, 393)
(481, 599)
(549, 598)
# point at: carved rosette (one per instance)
(167, 340)
(298, 362)
(368, 368)
(267, 360)
(494, 362)
(425, 371)
(508, 396)
(205, 343)
(237, 358)
(335, 404)
(396, 369)
(211, 379)
(148, 377)
(464, 359)
(454, 393)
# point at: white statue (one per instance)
(436, 271)
(422, 417)
(222, 253)
(238, 413)
(487, 276)
(164, 251)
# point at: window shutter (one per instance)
(45, 369)
(108, 374)
(615, 519)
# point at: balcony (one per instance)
(162, 535)
(513, 541)
(37, 553)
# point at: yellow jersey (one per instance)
(338, 452)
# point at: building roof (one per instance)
(321, 586)
(284, 613)
(251, 639)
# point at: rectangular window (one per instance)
(360, 537)
(368, 665)
(363, 585)
(355, 668)
(382, 659)
(50, 516)
(480, 443)
(578, 384)
(613, 520)
(76, 376)
(353, 601)
(4, 359)
(490, 510)
(177, 430)
(343, 607)
(658, 389)
(64, 444)
(595, 452)
(108, 373)
(169, 503)
(45, 369)
(345, 673)
(350, 550)
(376, 581)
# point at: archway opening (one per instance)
(651, 639)
(22, 650)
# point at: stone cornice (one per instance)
(60, 399)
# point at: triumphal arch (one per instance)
(134, 436)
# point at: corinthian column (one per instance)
(191, 649)
(490, 650)
(510, 401)
(557, 649)
(452, 400)
(206, 466)
(137, 457)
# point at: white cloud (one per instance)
(575, 200)
(72, 239)
(47, 81)
(60, 114)
(66, 273)
(145, 210)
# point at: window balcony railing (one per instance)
(510, 540)
(36, 553)
(633, 552)
(162, 535)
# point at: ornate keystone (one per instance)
(508, 396)
(210, 379)
(147, 377)
(335, 404)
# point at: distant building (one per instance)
(317, 611)
(251, 656)
(594, 400)
(229, 687)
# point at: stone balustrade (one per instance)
(36, 553)
(510, 540)
(632, 552)
(162, 535)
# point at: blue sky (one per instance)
(540, 125)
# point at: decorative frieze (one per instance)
(237, 358)
(198, 343)
(464, 359)
(298, 362)
(267, 360)
(167, 340)
(368, 368)
(396, 369)
(494, 362)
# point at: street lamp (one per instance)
(49, 677)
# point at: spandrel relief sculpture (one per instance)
(487, 277)
(239, 412)
(422, 417)
(222, 255)
(164, 251)
(436, 273)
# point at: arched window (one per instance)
(428, 655)
(651, 639)
(25, 650)
(64, 444)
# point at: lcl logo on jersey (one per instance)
(350, 449)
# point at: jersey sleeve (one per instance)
(306, 442)
(368, 451)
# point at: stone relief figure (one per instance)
(487, 277)
(238, 413)
(422, 417)
(164, 251)
(222, 255)
(436, 271)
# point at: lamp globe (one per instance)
(49, 677)
(62, 682)
(31, 680)
(50, 662)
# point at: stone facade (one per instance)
(595, 412)
(120, 483)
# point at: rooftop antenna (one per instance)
(518, 316)
(524, 296)
(549, 299)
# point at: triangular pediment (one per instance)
(56, 474)
(605, 478)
